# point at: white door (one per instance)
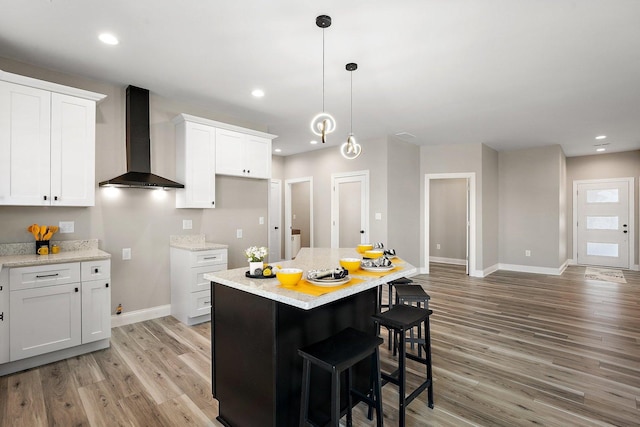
(603, 228)
(350, 209)
(275, 221)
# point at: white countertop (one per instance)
(193, 242)
(307, 259)
(25, 260)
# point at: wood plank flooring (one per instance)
(512, 349)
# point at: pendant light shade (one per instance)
(351, 149)
(323, 123)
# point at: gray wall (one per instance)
(490, 208)
(601, 166)
(403, 199)
(135, 218)
(530, 206)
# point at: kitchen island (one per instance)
(258, 327)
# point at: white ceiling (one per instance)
(507, 73)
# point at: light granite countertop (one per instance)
(194, 242)
(307, 259)
(22, 254)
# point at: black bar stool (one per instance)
(402, 318)
(410, 295)
(336, 354)
(398, 282)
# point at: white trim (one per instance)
(140, 315)
(536, 270)
(335, 205)
(278, 182)
(632, 232)
(51, 87)
(471, 176)
(287, 213)
(453, 261)
(208, 122)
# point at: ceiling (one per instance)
(507, 73)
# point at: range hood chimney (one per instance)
(139, 147)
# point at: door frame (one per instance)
(632, 220)
(278, 182)
(335, 205)
(471, 226)
(287, 212)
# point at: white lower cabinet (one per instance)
(190, 291)
(55, 307)
(4, 315)
(44, 320)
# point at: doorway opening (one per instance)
(469, 212)
(298, 216)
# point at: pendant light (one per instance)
(351, 149)
(323, 124)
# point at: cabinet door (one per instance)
(96, 310)
(258, 157)
(73, 122)
(230, 153)
(44, 320)
(24, 145)
(4, 315)
(196, 160)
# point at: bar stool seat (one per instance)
(337, 354)
(400, 319)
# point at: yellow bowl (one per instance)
(364, 247)
(289, 276)
(351, 264)
(373, 253)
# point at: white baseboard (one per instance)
(140, 315)
(443, 260)
(492, 269)
(532, 269)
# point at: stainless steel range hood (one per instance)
(139, 147)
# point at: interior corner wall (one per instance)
(403, 199)
(530, 206)
(490, 209)
(602, 166)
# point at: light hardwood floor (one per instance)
(512, 349)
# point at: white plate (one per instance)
(378, 269)
(329, 283)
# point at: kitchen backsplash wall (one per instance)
(138, 219)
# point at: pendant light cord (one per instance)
(351, 127)
(323, 70)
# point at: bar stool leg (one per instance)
(349, 399)
(377, 387)
(304, 401)
(427, 349)
(335, 402)
(402, 378)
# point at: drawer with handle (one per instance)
(209, 257)
(199, 303)
(43, 275)
(95, 270)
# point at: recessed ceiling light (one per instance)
(107, 38)
(601, 137)
(314, 142)
(601, 149)
(277, 150)
(258, 93)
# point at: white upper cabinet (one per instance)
(241, 154)
(47, 143)
(195, 165)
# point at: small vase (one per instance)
(253, 266)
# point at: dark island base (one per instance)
(256, 367)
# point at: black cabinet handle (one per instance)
(95, 270)
(76, 289)
(45, 197)
(0, 288)
(213, 203)
(106, 285)
(47, 275)
(55, 198)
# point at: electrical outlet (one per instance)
(126, 253)
(527, 252)
(437, 245)
(66, 226)
(187, 224)
(239, 233)
(261, 220)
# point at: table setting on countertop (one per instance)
(319, 276)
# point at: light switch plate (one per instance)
(126, 253)
(66, 226)
(239, 233)
(378, 216)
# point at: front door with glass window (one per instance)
(603, 229)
